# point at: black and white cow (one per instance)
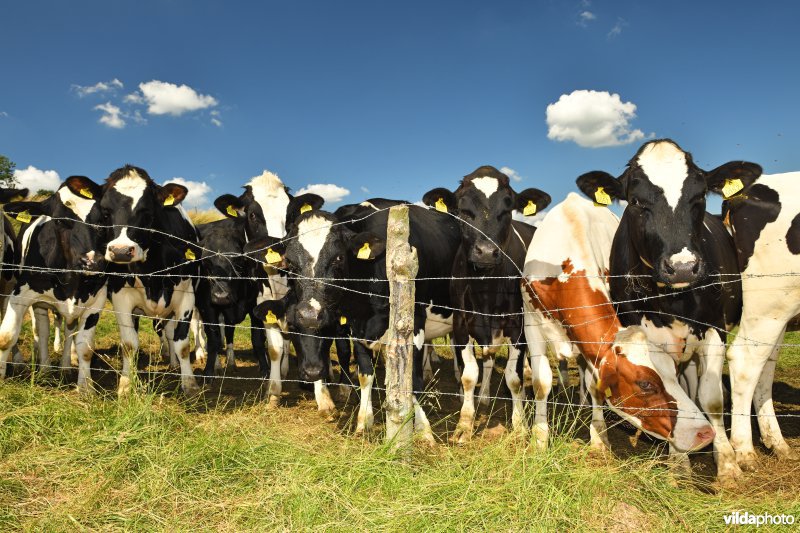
(765, 220)
(9, 253)
(155, 243)
(61, 268)
(339, 270)
(264, 207)
(485, 288)
(673, 266)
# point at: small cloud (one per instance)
(163, 98)
(99, 87)
(215, 118)
(364, 190)
(511, 173)
(133, 98)
(330, 192)
(592, 119)
(198, 197)
(585, 17)
(112, 115)
(617, 29)
(36, 180)
(3, 114)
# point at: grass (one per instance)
(147, 462)
(156, 461)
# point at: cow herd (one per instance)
(644, 303)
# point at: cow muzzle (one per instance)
(484, 255)
(678, 274)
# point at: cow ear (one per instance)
(267, 251)
(84, 187)
(601, 187)
(302, 204)
(441, 199)
(732, 177)
(231, 206)
(7, 195)
(25, 211)
(172, 194)
(270, 311)
(531, 201)
(367, 246)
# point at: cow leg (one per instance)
(42, 326)
(58, 321)
(168, 339)
(230, 354)
(563, 375)
(180, 346)
(583, 392)
(198, 332)
(747, 357)
(598, 432)
(427, 369)
(541, 376)
(69, 346)
(514, 382)
(344, 354)
(486, 379)
(83, 340)
(12, 322)
(712, 402)
(421, 424)
(469, 378)
(767, 421)
(366, 376)
(129, 338)
(689, 378)
(275, 350)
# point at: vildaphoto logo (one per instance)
(749, 519)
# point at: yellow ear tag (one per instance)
(24, 217)
(364, 252)
(273, 256)
(190, 255)
(731, 187)
(343, 320)
(271, 318)
(86, 193)
(231, 211)
(169, 200)
(601, 197)
(305, 208)
(608, 392)
(530, 209)
(440, 205)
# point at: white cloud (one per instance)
(215, 118)
(112, 115)
(198, 193)
(592, 119)
(585, 17)
(511, 173)
(617, 29)
(330, 192)
(163, 98)
(133, 98)
(364, 190)
(3, 114)
(99, 87)
(34, 179)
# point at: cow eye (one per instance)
(646, 386)
(466, 213)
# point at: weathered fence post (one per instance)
(401, 271)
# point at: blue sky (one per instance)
(393, 98)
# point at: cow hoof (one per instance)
(274, 402)
(124, 387)
(599, 450)
(85, 390)
(191, 389)
(747, 460)
(728, 475)
(329, 415)
(426, 437)
(541, 436)
(785, 453)
(462, 435)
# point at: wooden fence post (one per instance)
(401, 271)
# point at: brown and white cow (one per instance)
(567, 301)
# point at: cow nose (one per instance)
(680, 272)
(312, 371)
(485, 252)
(220, 297)
(308, 317)
(121, 253)
(704, 437)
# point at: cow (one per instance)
(337, 272)
(154, 246)
(485, 288)
(264, 206)
(567, 303)
(763, 212)
(8, 252)
(61, 268)
(673, 267)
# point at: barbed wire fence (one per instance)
(339, 283)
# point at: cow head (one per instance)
(666, 195)
(133, 205)
(639, 383)
(77, 219)
(483, 203)
(316, 252)
(222, 244)
(266, 206)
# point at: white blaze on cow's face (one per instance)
(487, 185)
(270, 194)
(76, 203)
(312, 232)
(665, 166)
